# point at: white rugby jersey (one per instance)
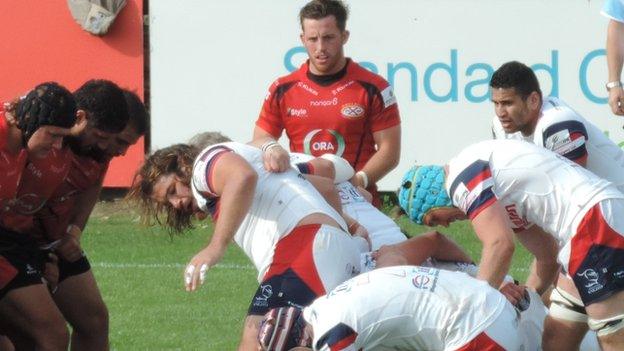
(280, 201)
(533, 184)
(404, 308)
(382, 229)
(563, 131)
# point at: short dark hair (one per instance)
(137, 113)
(317, 9)
(104, 103)
(47, 104)
(516, 75)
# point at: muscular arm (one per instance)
(326, 187)
(615, 59)
(493, 229)
(545, 267)
(234, 181)
(419, 248)
(387, 156)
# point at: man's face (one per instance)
(92, 142)
(120, 143)
(324, 43)
(170, 190)
(514, 113)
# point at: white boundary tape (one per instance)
(165, 265)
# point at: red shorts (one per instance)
(308, 262)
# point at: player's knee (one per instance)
(93, 323)
(52, 335)
(608, 326)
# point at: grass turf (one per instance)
(139, 272)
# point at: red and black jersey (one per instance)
(39, 181)
(11, 164)
(339, 118)
(54, 218)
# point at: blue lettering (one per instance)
(451, 70)
(393, 68)
(470, 96)
(288, 58)
(583, 77)
(553, 71)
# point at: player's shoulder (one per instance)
(364, 75)
(556, 111)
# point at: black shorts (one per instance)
(21, 262)
(285, 289)
(69, 269)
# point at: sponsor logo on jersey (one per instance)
(296, 112)
(518, 222)
(323, 141)
(330, 102)
(307, 88)
(34, 170)
(26, 204)
(265, 293)
(388, 96)
(352, 111)
(591, 280)
(342, 87)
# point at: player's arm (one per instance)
(234, 182)
(545, 267)
(567, 136)
(275, 157)
(615, 59)
(492, 227)
(417, 249)
(326, 187)
(70, 248)
(386, 158)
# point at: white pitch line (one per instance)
(164, 265)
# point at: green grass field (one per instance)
(139, 272)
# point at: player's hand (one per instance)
(616, 100)
(46, 138)
(69, 248)
(195, 272)
(356, 229)
(513, 292)
(276, 159)
(51, 272)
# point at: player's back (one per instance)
(532, 183)
(406, 308)
(281, 200)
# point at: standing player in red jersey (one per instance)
(33, 162)
(331, 104)
(78, 296)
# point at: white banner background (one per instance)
(212, 63)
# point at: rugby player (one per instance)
(102, 106)
(33, 162)
(296, 240)
(504, 186)
(522, 113)
(398, 308)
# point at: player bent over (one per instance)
(398, 308)
(296, 240)
(504, 186)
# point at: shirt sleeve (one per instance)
(385, 110)
(613, 9)
(203, 168)
(471, 190)
(339, 338)
(270, 119)
(568, 139)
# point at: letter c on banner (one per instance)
(583, 76)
